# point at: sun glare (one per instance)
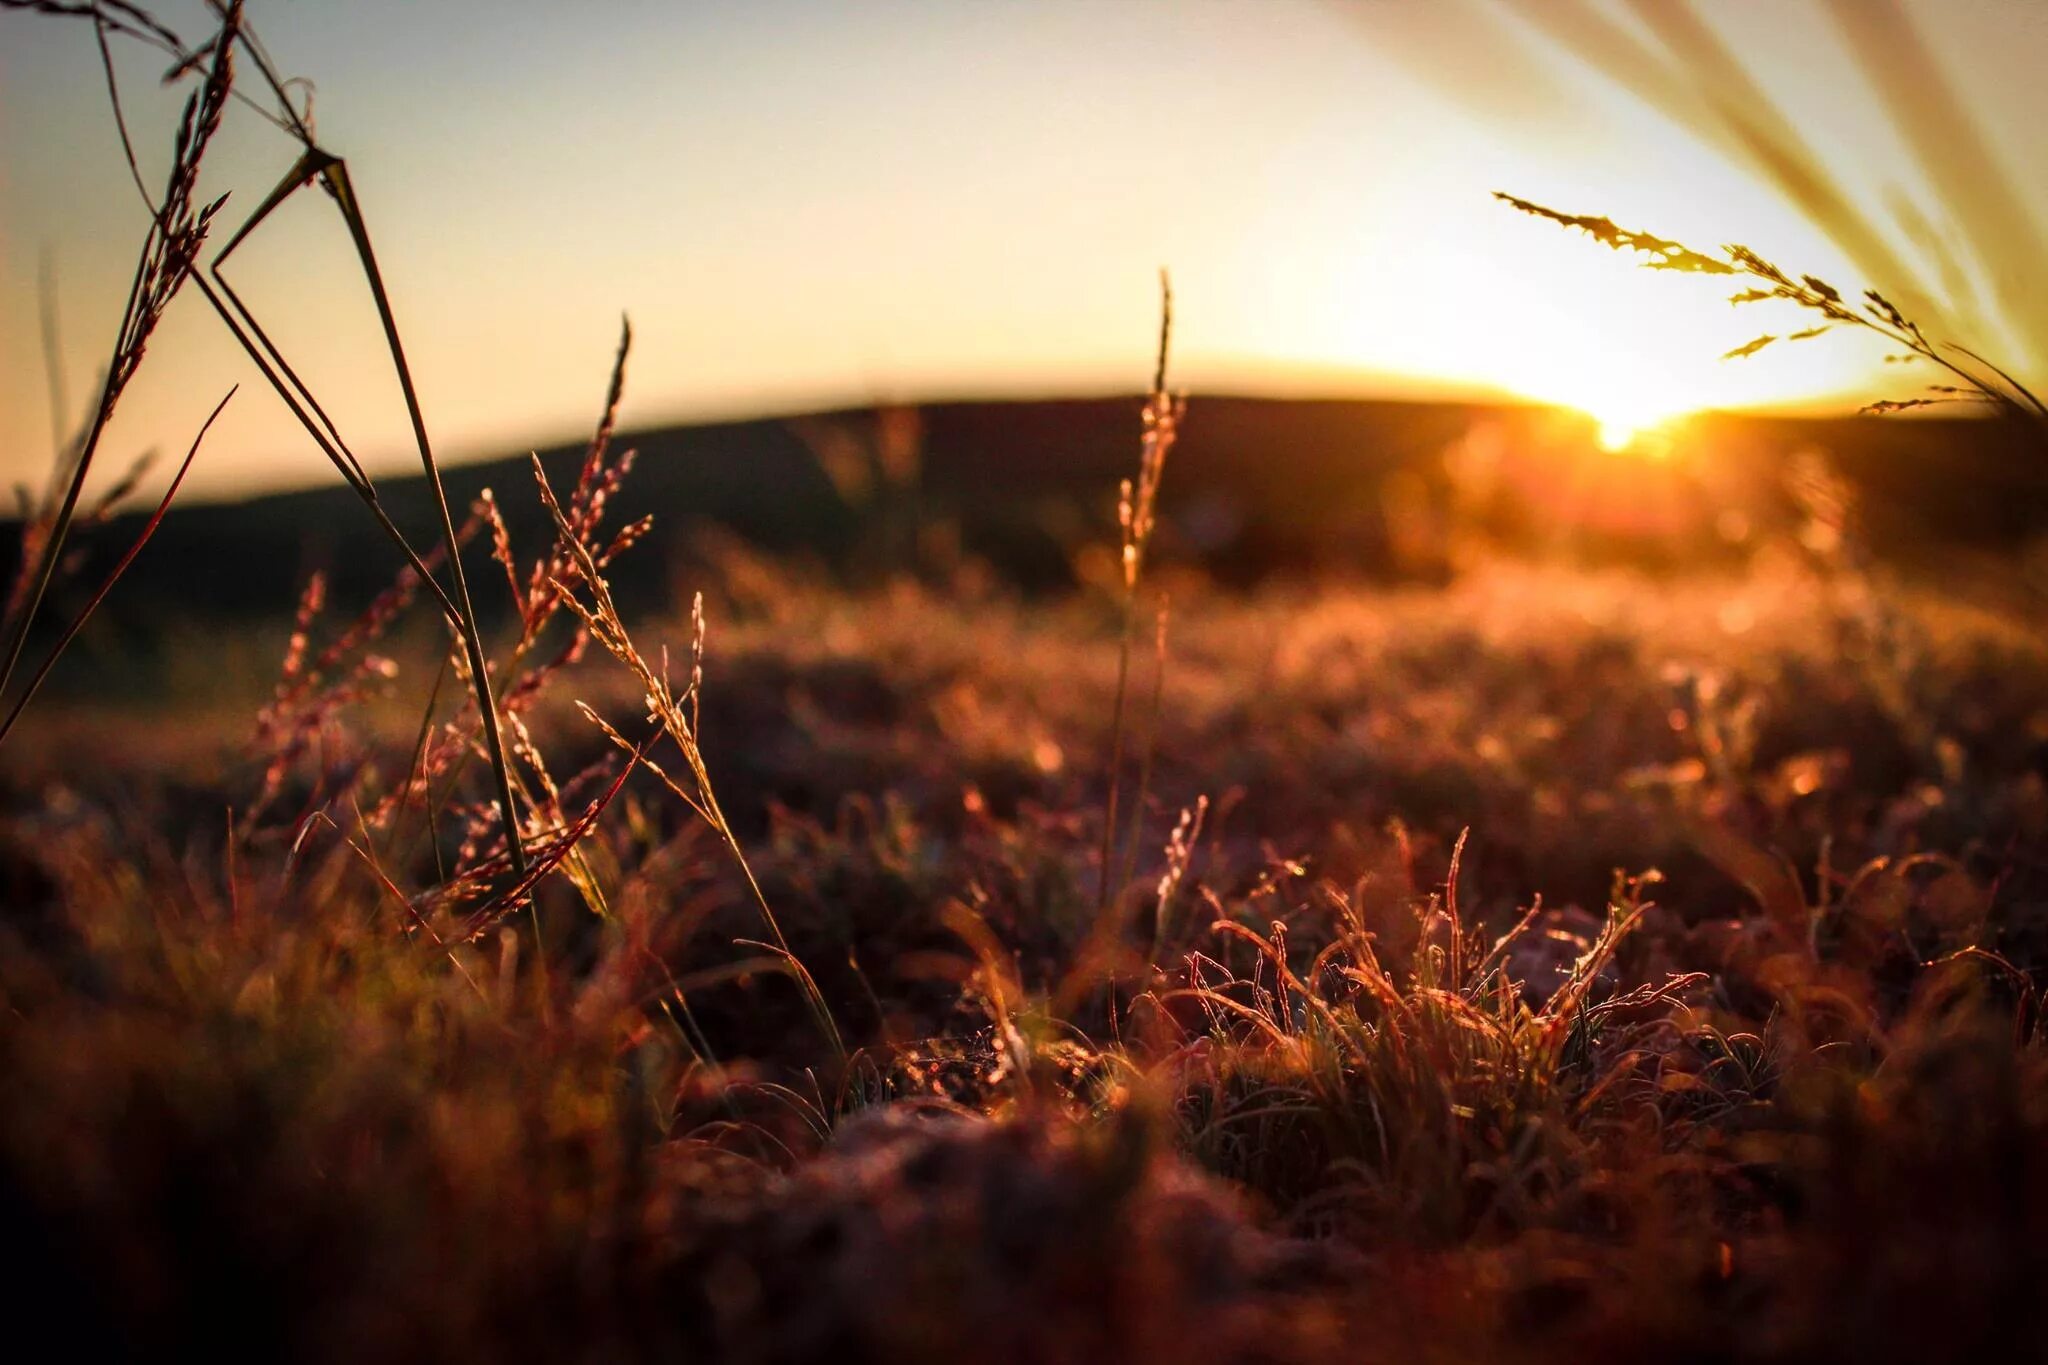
(1616, 434)
(1632, 398)
(1634, 431)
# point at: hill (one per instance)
(1256, 486)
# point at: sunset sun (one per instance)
(1626, 429)
(1616, 434)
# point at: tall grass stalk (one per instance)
(1137, 512)
(169, 258)
(315, 163)
(678, 717)
(178, 228)
(1675, 62)
(1979, 380)
(332, 172)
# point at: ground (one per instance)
(1561, 963)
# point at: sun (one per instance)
(1639, 428)
(1615, 434)
(1631, 399)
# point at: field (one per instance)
(1087, 880)
(1561, 963)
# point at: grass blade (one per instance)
(78, 622)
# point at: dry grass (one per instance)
(470, 1018)
(1975, 379)
(1673, 1124)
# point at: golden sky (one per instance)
(815, 204)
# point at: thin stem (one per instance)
(78, 622)
(2021, 389)
(339, 456)
(337, 179)
(1116, 749)
(60, 528)
(1148, 747)
(1135, 516)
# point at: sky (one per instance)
(810, 205)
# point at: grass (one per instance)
(178, 229)
(1561, 964)
(1678, 1121)
(1974, 379)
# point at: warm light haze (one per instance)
(812, 205)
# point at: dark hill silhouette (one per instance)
(1255, 486)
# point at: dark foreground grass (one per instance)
(1759, 1077)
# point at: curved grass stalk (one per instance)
(332, 172)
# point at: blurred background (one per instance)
(892, 272)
